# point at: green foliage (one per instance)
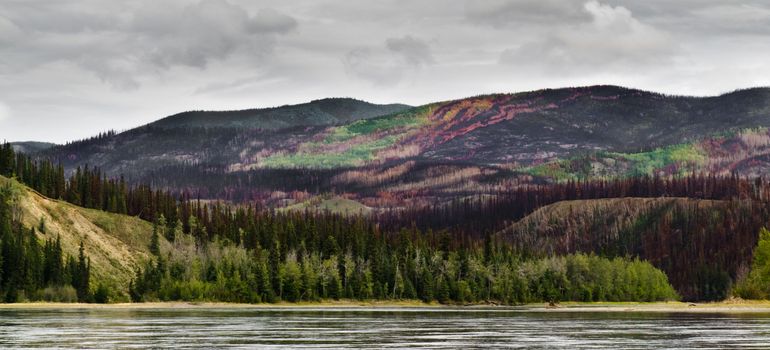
(403, 121)
(680, 159)
(81, 275)
(559, 171)
(334, 205)
(158, 229)
(30, 270)
(411, 269)
(59, 294)
(355, 155)
(381, 132)
(102, 294)
(757, 284)
(581, 277)
(685, 156)
(713, 283)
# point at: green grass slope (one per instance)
(335, 205)
(116, 244)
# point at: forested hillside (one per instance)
(703, 246)
(209, 137)
(41, 237)
(388, 156)
(500, 198)
(705, 243)
(253, 256)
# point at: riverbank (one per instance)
(728, 306)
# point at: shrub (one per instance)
(59, 294)
(102, 294)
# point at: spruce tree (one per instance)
(155, 241)
(83, 271)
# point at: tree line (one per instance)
(407, 267)
(461, 225)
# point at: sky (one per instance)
(71, 69)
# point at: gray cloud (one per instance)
(415, 52)
(611, 37)
(507, 13)
(4, 111)
(387, 66)
(269, 20)
(379, 69)
(123, 47)
(9, 32)
(209, 30)
(69, 69)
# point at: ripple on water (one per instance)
(375, 328)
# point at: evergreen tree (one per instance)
(83, 271)
(155, 240)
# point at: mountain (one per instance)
(527, 128)
(328, 111)
(209, 137)
(437, 151)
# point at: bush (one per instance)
(59, 294)
(102, 294)
(757, 284)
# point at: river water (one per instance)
(376, 328)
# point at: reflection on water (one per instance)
(375, 328)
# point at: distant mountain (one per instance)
(328, 111)
(475, 145)
(203, 137)
(528, 128)
(30, 147)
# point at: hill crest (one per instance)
(327, 111)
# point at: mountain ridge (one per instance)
(471, 145)
(332, 111)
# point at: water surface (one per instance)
(375, 328)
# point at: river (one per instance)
(336, 328)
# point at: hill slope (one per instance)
(700, 244)
(211, 137)
(530, 127)
(116, 244)
(445, 149)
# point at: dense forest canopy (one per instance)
(468, 250)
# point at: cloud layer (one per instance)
(389, 64)
(122, 45)
(611, 38)
(71, 69)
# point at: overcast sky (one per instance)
(69, 69)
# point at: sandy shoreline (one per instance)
(659, 307)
